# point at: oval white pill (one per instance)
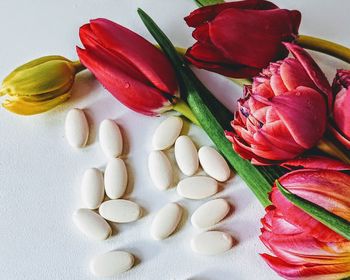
(214, 164)
(76, 128)
(166, 133)
(197, 187)
(210, 213)
(186, 155)
(116, 178)
(211, 242)
(160, 170)
(166, 221)
(111, 263)
(110, 138)
(120, 211)
(92, 188)
(91, 224)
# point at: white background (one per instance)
(40, 174)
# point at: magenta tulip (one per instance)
(284, 112)
(238, 39)
(341, 107)
(302, 247)
(131, 68)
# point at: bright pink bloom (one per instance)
(302, 247)
(131, 68)
(284, 112)
(341, 107)
(238, 39)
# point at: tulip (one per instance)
(341, 107)
(39, 85)
(136, 72)
(238, 39)
(302, 247)
(284, 112)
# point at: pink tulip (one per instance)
(131, 68)
(341, 107)
(284, 112)
(239, 38)
(302, 247)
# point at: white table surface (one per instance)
(40, 174)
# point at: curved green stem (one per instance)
(78, 66)
(324, 46)
(182, 107)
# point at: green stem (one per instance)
(78, 66)
(201, 3)
(182, 107)
(332, 221)
(324, 46)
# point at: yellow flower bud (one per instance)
(39, 85)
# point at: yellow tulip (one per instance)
(39, 85)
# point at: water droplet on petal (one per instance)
(127, 85)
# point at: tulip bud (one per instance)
(239, 38)
(132, 69)
(341, 107)
(39, 85)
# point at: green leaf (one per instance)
(212, 118)
(334, 222)
(202, 3)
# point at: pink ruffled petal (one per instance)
(341, 111)
(316, 162)
(303, 272)
(326, 188)
(303, 112)
(312, 69)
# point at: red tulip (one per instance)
(302, 247)
(131, 68)
(341, 107)
(238, 39)
(284, 112)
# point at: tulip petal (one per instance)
(341, 138)
(300, 272)
(259, 26)
(115, 78)
(207, 13)
(303, 249)
(312, 69)
(333, 196)
(303, 111)
(238, 71)
(22, 106)
(294, 75)
(341, 111)
(316, 162)
(137, 51)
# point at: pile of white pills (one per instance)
(101, 193)
(194, 187)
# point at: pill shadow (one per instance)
(183, 221)
(126, 144)
(92, 127)
(131, 179)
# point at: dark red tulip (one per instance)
(238, 39)
(136, 72)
